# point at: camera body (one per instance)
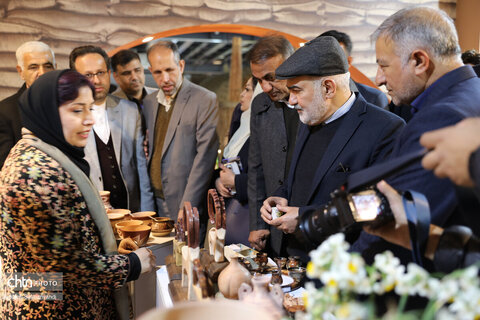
(343, 213)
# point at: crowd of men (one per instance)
(154, 148)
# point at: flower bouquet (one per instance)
(346, 277)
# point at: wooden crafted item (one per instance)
(217, 215)
(192, 251)
(179, 240)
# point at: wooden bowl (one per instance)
(125, 223)
(139, 233)
(162, 226)
(145, 216)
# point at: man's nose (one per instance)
(292, 100)
(266, 86)
(379, 77)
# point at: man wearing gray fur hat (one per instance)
(340, 134)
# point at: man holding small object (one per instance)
(340, 133)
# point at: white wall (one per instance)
(65, 24)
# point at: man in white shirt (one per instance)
(115, 145)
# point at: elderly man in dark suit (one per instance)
(372, 95)
(340, 133)
(34, 58)
(273, 129)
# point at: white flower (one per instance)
(415, 281)
(389, 272)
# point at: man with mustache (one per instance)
(273, 129)
(115, 146)
(181, 121)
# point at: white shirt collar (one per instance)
(342, 110)
(101, 126)
(162, 99)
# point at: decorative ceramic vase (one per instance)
(231, 278)
(105, 195)
(259, 295)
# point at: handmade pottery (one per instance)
(231, 278)
(259, 295)
(139, 234)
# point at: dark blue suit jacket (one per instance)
(453, 97)
(372, 95)
(365, 137)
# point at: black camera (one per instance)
(354, 203)
(343, 213)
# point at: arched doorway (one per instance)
(235, 29)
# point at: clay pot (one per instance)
(231, 278)
(259, 295)
(139, 234)
(114, 219)
(105, 195)
(122, 224)
(162, 226)
(145, 216)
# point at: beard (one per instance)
(316, 111)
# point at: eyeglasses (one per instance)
(99, 74)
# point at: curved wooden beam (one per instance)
(227, 28)
(234, 28)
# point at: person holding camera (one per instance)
(340, 133)
(419, 62)
(455, 154)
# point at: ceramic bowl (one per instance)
(114, 219)
(139, 233)
(162, 226)
(145, 216)
(122, 211)
(123, 224)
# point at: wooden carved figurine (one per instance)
(179, 240)
(216, 236)
(203, 289)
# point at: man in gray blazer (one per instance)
(273, 130)
(129, 74)
(181, 121)
(115, 146)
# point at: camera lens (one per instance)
(317, 225)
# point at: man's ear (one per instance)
(420, 60)
(330, 88)
(181, 64)
(19, 70)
